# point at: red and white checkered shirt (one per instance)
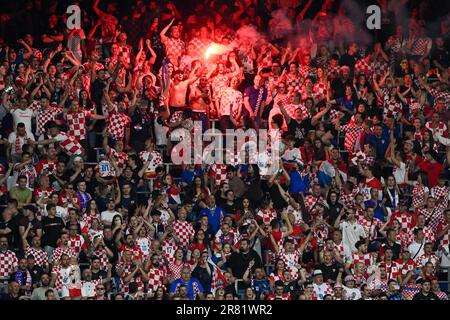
(219, 83)
(320, 91)
(348, 199)
(174, 270)
(292, 108)
(40, 256)
(406, 266)
(428, 233)
(441, 94)
(380, 67)
(424, 259)
(311, 201)
(352, 132)
(284, 296)
(362, 67)
(156, 278)
(266, 215)
(76, 122)
(117, 122)
(200, 46)
(124, 287)
(306, 71)
(370, 227)
(155, 162)
(441, 128)
(420, 45)
(58, 252)
(418, 196)
(49, 165)
(69, 144)
(77, 243)
(168, 248)
(405, 219)
(391, 107)
(433, 217)
(184, 231)
(8, 262)
(219, 173)
(445, 240)
(410, 290)
(393, 270)
(442, 295)
(104, 260)
(294, 81)
(441, 194)
(38, 193)
(291, 260)
(120, 158)
(125, 53)
(368, 259)
(45, 115)
(59, 279)
(174, 47)
(340, 249)
(378, 284)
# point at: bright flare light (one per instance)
(215, 48)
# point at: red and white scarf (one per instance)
(18, 147)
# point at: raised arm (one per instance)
(29, 52)
(301, 14)
(163, 32)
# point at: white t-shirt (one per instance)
(292, 155)
(399, 173)
(161, 133)
(352, 293)
(12, 140)
(416, 250)
(24, 116)
(351, 233)
(88, 289)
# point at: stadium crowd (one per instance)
(94, 208)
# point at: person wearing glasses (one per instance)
(100, 293)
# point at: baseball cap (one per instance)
(338, 285)
(317, 272)
(78, 158)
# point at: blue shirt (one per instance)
(187, 176)
(253, 95)
(260, 286)
(381, 144)
(378, 211)
(214, 217)
(193, 287)
(298, 183)
(348, 104)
